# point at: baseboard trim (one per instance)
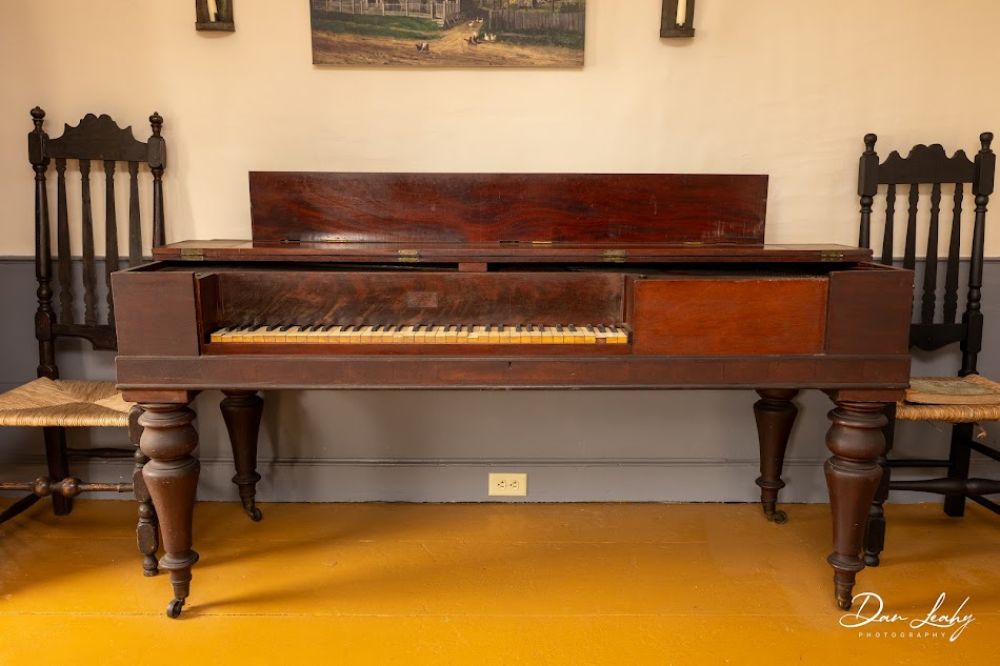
(464, 479)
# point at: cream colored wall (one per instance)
(785, 87)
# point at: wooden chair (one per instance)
(54, 404)
(967, 399)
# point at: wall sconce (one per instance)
(677, 19)
(217, 17)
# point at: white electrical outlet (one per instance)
(508, 485)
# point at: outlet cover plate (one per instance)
(508, 485)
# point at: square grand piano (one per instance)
(525, 281)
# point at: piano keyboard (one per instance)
(426, 334)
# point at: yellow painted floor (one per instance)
(491, 584)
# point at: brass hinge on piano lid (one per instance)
(408, 255)
(192, 254)
(615, 256)
(831, 255)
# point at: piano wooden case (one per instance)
(626, 253)
(524, 281)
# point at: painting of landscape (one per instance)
(449, 33)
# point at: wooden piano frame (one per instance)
(677, 260)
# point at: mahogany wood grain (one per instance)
(380, 298)
(713, 317)
(875, 301)
(459, 208)
(156, 313)
(138, 375)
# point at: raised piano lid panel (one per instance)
(468, 208)
(377, 298)
(710, 316)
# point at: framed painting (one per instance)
(449, 33)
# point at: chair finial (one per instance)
(870, 140)
(156, 121)
(986, 138)
(38, 115)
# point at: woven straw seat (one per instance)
(64, 403)
(967, 399)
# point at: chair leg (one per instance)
(958, 467)
(875, 531)
(147, 532)
(18, 507)
(58, 463)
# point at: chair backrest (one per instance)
(94, 139)
(930, 165)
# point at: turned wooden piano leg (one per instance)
(852, 476)
(147, 531)
(775, 414)
(241, 411)
(875, 532)
(168, 439)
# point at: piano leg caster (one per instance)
(174, 608)
(843, 589)
(776, 516)
(252, 511)
(775, 415)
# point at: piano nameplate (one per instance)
(424, 300)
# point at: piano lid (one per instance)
(462, 208)
(589, 253)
